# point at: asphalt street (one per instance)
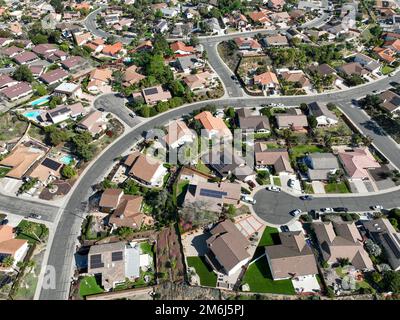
(274, 207)
(116, 105)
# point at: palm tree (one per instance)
(287, 134)
(367, 140)
(28, 229)
(8, 262)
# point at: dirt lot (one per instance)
(11, 127)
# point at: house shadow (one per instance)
(199, 243)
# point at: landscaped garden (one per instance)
(31, 231)
(4, 171)
(301, 150)
(206, 274)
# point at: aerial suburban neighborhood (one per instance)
(199, 150)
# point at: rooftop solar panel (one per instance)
(116, 256)
(51, 164)
(150, 91)
(392, 245)
(95, 261)
(212, 193)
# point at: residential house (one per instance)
(321, 166)
(179, 47)
(145, 169)
(178, 134)
(47, 171)
(25, 57)
(6, 81)
(45, 48)
(275, 41)
(227, 248)
(276, 5)
(393, 45)
(126, 210)
(62, 113)
(10, 246)
(115, 262)
(169, 12)
(131, 76)
(213, 126)
(260, 17)
(214, 26)
(199, 81)
(382, 232)
(367, 62)
(161, 26)
(293, 257)
(155, 94)
(356, 162)
(68, 89)
(386, 54)
(113, 50)
(18, 91)
(73, 63)
(295, 122)
(252, 123)
(99, 78)
(213, 196)
(37, 70)
(278, 159)
(11, 52)
(297, 77)
(353, 68)
(339, 240)
(54, 76)
(93, 123)
(247, 44)
(227, 164)
(5, 42)
(188, 63)
(324, 116)
(390, 101)
(21, 159)
(267, 81)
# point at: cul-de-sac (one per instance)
(199, 150)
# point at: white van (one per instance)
(248, 199)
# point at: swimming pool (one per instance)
(32, 114)
(40, 101)
(67, 159)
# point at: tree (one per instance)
(230, 112)
(391, 281)
(39, 39)
(177, 89)
(40, 90)
(312, 121)
(23, 73)
(7, 262)
(372, 248)
(367, 140)
(124, 232)
(343, 261)
(68, 172)
(57, 5)
(28, 229)
(58, 136)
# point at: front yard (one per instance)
(301, 150)
(4, 171)
(32, 231)
(206, 274)
(337, 187)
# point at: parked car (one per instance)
(4, 221)
(340, 209)
(251, 184)
(306, 197)
(285, 229)
(248, 199)
(377, 207)
(314, 214)
(327, 210)
(295, 213)
(234, 78)
(35, 216)
(132, 115)
(101, 109)
(291, 183)
(274, 188)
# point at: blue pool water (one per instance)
(67, 159)
(32, 114)
(40, 101)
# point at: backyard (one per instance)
(89, 286)
(206, 274)
(11, 127)
(258, 275)
(301, 150)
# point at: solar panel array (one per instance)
(51, 164)
(150, 91)
(212, 193)
(116, 256)
(392, 245)
(95, 261)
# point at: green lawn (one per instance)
(207, 276)
(38, 230)
(202, 167)
(339, 187)
(308, 188)
(277, 181)
(4, 171)
(301, 150)
(386, 70)
(180, 191)
(266, 238)
(146, 247)
(89, 286)
(258, 277)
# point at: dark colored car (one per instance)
(233, 77)
(4, 222)
(314, 214)
(251, 184)
(306, 197)
(35, 216)
(101, 109)
(340, 209)
(285, 229)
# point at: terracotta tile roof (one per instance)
(210, 122)
(110, 198)
(180, 46)
(266, 78)
(113, 49)
(357, 161)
